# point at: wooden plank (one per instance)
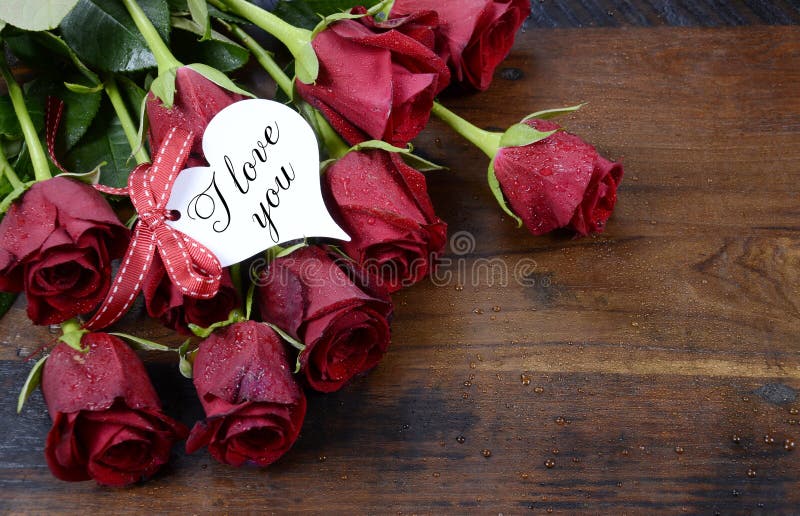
(637, 354)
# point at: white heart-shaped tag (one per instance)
(262, 188)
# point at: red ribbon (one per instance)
(190, 266)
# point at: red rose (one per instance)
(340, 316)
(56, 244)
(560, 181)
(377, 80)
(478, 34)
(254, 408)
(165, 302)
(197, 101)
(383, 205)
(107, 419)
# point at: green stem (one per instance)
(8, 171)
(265, 59)
(164, 57)
(130, 129)
(296, 39)
(41, 165)
(236, 278)
(487, 141)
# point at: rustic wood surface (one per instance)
(655, 367)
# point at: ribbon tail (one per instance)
(128, 281)
(53, 112)
(190, 266)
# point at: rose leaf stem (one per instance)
(296, 39)
(265, 59)
(41, 166)
(130, 129)
(8, 171)
(164, 58)
(70, 325)
(332, 141)
(487, 141)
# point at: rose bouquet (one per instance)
(96, 147)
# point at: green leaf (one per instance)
(299, 346)
(163, 87)
(83, 90)
(31, 383)
(552, 113)
(91, 177)
(217, 51)
(307, 13)
(520, 135)
(185, 365)
(104, 35)
(494, 186)
(80, 109)
(39, 48)
(199, 11)
(6, 301)
(2, 25)
(35, 14)
(13, 196)
(218, 78)
(104, 142)
(234, 317)
(142, 344)
(407, 154)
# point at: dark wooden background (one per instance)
(655, 367)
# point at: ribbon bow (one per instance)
(190, 266)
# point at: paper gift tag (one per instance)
(262, 188)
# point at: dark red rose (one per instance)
(56, 244)
(377, 80)
(383, 205)
(477, 34)
(560, 181)
(197, 101)
(107, 419)
(334, 309)
(165, 302)
(254, 408)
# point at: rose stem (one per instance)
(8, 171)
(131, 133)
(296, 39)
(335, 145)
(164, 58)
(41, 166)
(487, 141)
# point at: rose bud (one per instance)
(56, 244)
(338, 313)
(383, 205)
(254, 408)
(165, 302)
(560, 181)
(197, 100)
(107, 419)
(377, 80)
(478, 34)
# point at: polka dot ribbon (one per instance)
(191, 267)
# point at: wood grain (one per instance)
(630, 360)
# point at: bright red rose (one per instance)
(56, 244)
(254, 408)
(560, 181)
(477, 34)
(107, 419)
(335, 309)
(377, 80)
(165, 302)
(383, 205)
(197, 101)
